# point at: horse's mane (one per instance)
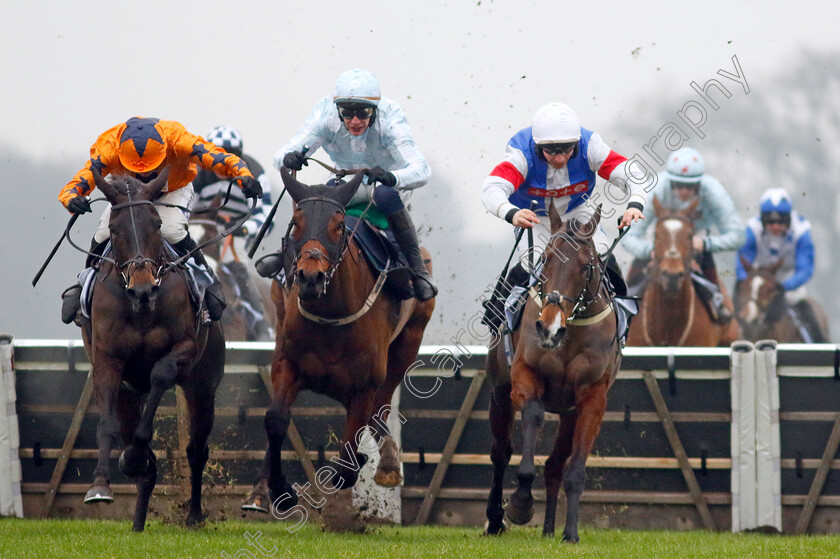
(321, 190)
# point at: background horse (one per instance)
(764, 312)
(337, 338)
(240, 321)
(671, 312)
(142, 338)
(567, 357)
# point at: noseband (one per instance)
(335, 250)
(155, 267)
(584, 298)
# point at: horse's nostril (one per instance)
(320, 277)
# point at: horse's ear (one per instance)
(297, 190)
(658, 208)
(153, 188)
(595, 220)
(110, 192)
(775, 267)
(691, 210)
(745, 263)
(553, 216)
(345, 192)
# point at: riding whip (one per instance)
(70, 223)
(270, 217)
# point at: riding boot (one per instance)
(214, 298)
(406, 235)
(636, 277)
(616, 277)
(71, 298)
(809, 322)
(494, 307)
(712, 298)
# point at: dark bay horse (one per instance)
(339, 337)
(143, 337)
(567, 358)
(764, 312)
(671, 312)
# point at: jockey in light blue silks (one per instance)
(556, 160)
(360, 129)
(780, 236)
(684, 180)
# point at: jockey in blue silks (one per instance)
(556, 160)
(779, 236)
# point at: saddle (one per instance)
(383, 255)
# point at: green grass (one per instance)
(96, 538)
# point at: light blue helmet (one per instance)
(685, 166)
(357, 86)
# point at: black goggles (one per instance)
(685, 185)
(362, 113)
(775, 218)
(559, 149)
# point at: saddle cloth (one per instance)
(380, 249)
(198, 279)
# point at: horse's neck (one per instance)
(668, 316)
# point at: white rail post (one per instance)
(743, 436)
(767, 438)
(11, 499)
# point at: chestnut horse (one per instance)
(340, 337)
(237, 320)
(143, 337)
(671, 312)
(764, 312)
(567, 358)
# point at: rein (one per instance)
(584, 299)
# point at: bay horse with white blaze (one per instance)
(339, 336)
(672, 312)
(567, 358)
(144, 337)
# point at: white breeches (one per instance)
(174, 221)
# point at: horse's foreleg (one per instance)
(145, 486)
(271, 490)
(134, 460)
(350, 461)
(554, 471)
(590, 411)
(106, 378)
(501, 423)
(526, 390)
(201, 423)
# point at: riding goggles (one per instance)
(564, 148)
(362, 113)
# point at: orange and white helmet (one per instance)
(141, 144)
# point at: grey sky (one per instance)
(469, 74)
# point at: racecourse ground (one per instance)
(93, 539)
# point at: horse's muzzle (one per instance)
(552, 334)
(142, 297)
(311, 285)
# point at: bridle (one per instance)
(585, 297)
(335, 250)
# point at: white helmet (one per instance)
(686, 165)
(357, 86)
(555, 123)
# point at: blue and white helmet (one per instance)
(776, 200)
(357, 86)
(686, 166)
(226, 137)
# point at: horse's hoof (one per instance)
(258, 502)
(346, 478)
(571, 539)
(388, 479)
(99, 494)
(133, 467)
(195, 519)
(495, 528)
(520, 512)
